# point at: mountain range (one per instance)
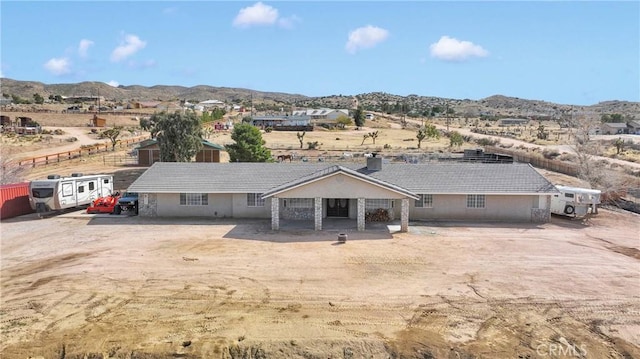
(497, 105)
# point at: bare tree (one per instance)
(364, 138)
(596, 172)
(374, 135)
(301, 137)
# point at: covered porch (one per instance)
(338, 193)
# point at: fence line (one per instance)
(79, 153)
(119, 160)
(536, 160)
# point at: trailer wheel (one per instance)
(569, 209)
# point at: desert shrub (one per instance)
(487, 141)
(567, 157)
(550, 154)
(387, 146)
(71, 139)
(268, 129)
(312, 145)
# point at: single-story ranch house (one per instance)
(314, 191)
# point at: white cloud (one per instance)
(451, 49)
(83, 47)
(289, 22)
(58, 66)
(365, 37)
(128, 47)
(257, 14)
(113, 83)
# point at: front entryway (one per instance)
(338, 207)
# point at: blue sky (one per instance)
(566, 52)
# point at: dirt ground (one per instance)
(100, 286)
(129, 287)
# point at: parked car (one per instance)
(128, 202)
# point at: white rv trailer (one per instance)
(56, 193)
(574, 201)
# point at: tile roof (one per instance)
(434, 178)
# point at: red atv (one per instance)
(104, 204)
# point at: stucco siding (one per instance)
(242, 210)
(220, 205)
(454, 207)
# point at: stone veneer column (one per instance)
(317, 216)
(275, 213)
(404, 215)
(361, 208)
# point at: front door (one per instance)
(337, 207)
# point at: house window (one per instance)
(475, 201)
(425, 201)
(194, 199)
(378, 203)
(298, 203)
(255, 200)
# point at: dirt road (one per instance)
(129, 287)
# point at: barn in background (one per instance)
(149, 152)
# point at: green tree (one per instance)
(358, 117)
(455, 139)
(428, 131)
(248, 146)
(301, 137)
(343, 121)
(37, 98)
(614, 117)
(179, 135)
(112, 134)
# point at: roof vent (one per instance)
(76, 175)
(53, 176)
(374, 163)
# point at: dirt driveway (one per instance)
(129, 287)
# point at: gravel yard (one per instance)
(131, 287)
